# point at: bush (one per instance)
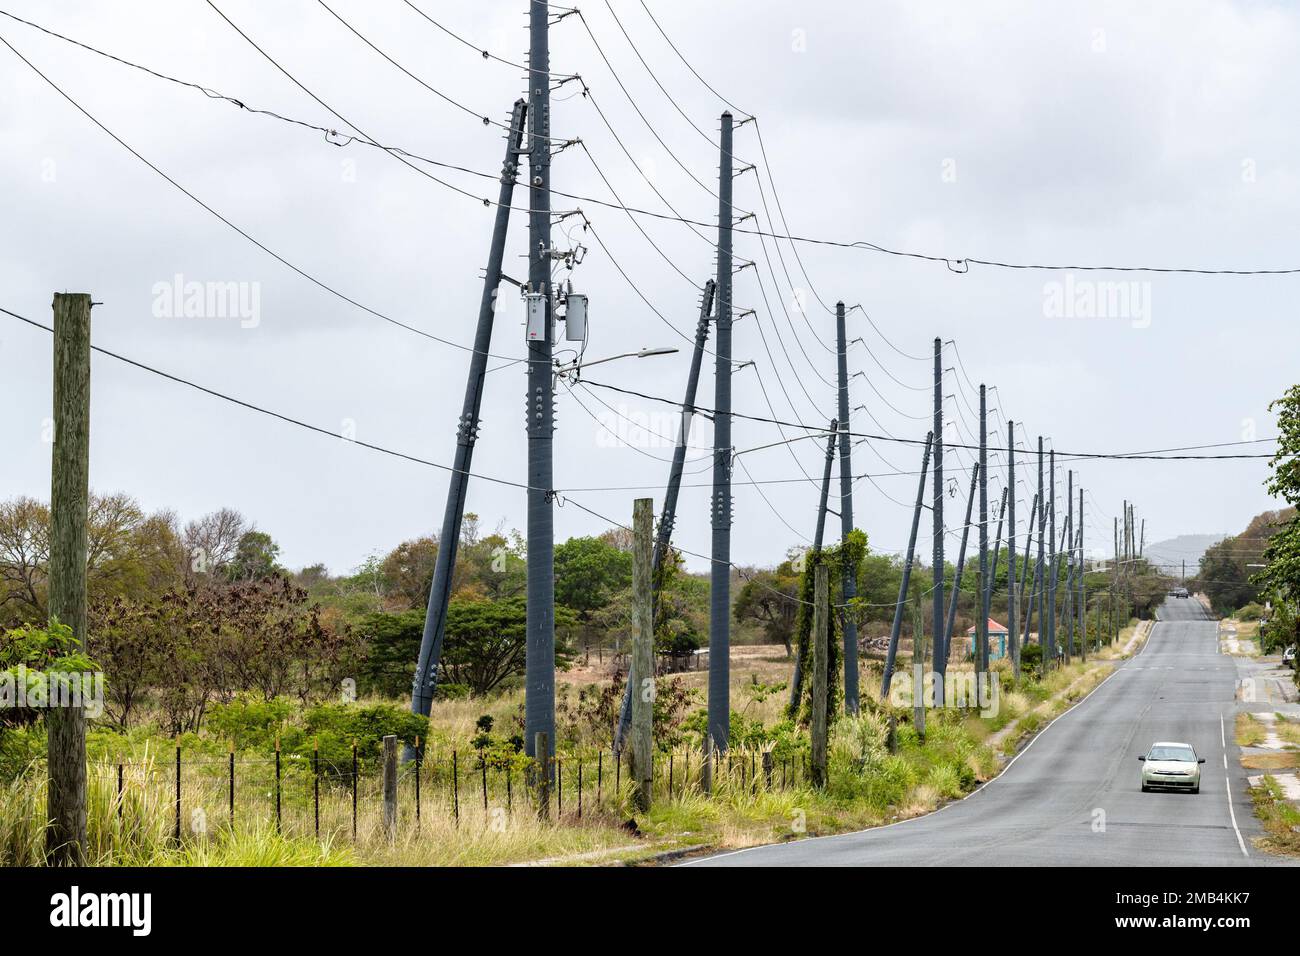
(251, 724)
(1031, 660)
(1251, 612)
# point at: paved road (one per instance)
(1046, 807)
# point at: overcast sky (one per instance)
(1091, 133)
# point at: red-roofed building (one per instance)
(997, 640)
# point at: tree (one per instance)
(588, 573)
(486, 640)
(770, 599)
(407, 572)
(255, 558)
(391, 644)
(212, 541)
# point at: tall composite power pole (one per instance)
(1083, 594)
(435, 618)
(848, 574)
(1052, 570)
(539, 666)
(720, 565)
(940, 645)
(1040, 576)
(982, 625)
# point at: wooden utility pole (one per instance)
(820, 661)
(65, 839)
(641, 676)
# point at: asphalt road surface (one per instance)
(1072, 796)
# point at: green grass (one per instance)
(1249, 731)
(1278, 817)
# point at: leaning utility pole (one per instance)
(720, 567)
(982, 625)
(814, 554)
(1013, 592)
(940, 652)
(65, 836)
(848, 572)
(663, 541)
(997, 554)
(1024, 574)
(944, 637)
(907, 574)
(435, 617)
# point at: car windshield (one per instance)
(1172, 753)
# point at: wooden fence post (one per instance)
(390, 786)
(641, 672)
(706, 768)
(542, 750)
(821, 617)
(65, 837)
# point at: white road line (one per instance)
(1227, 785)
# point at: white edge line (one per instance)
(952, 803)
(1227, 784)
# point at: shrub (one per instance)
(1031, 660)
(1251, 612)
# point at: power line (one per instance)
(320, 283)
(1119, 456)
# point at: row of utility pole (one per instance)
(1030, 601)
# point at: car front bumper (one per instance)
(1171, 781)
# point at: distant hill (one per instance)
(1186, 547)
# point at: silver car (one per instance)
(1171, 766)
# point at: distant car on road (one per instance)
(1171, 766)
(1179, 592)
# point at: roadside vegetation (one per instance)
(209, 646)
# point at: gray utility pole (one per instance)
(720, 566)
(848, 574)
(1051, 557)
(1040, 578)
(539, 665)
(944, 637)
(1013, 592)
(997, 554)
(1069, 561)
(940, 652)
(982, 625)
(907, 574)
(1028, 596)
(65, 838)
(663, 541)
(1124, 545)
(1083, 595)
(814, 555)
(1142, 541)
(435, 617)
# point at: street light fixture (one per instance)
(579, 364)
